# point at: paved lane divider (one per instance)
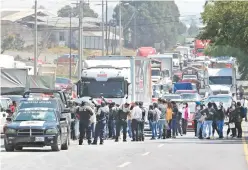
(124, 165)
(147, 153)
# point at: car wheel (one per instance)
(8, 148)
(18, 148)
(65, 145)
(57, 146)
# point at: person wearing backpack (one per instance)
(238, 116)
(101, 117)
(153, 118)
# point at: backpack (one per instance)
(243, 112)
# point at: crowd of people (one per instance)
(167, 119)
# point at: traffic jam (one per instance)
(40, 117)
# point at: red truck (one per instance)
(200, 45)
(145, 51)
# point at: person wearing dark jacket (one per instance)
(153, 118)
(230, 113)
(215, 118)
(179, 123)
(207, 124)
(238, 119)
(101, 118)
(112, 121)
(84, 112)
(220, 119)
(174, 119)
(121, 122)
(142, 122)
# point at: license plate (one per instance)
(190, 124)
(39, 139)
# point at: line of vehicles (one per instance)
(41, 121)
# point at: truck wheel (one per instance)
(18, 148)
(65, 145)
(8, 148)
(57, 146)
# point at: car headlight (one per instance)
(51, 131)
(10, 131)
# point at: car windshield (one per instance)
(220, 80)
(62, 80)
(189, 77)
(155, 73)
(34, 115)
(189, 96)
(171, 97)
(38, 103)
(103, 88)
(219, 99)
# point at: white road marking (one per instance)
(159, 146)
(147, 153)
(124, 164)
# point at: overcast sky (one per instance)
(186, 7)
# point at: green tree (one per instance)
(156, 21)
(11, 42)
(193, 29)
(67, 10)
(226, 25)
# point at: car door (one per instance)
(3, 115)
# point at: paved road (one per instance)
(183, 153)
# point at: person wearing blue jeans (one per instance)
(129, 127)
(161, 121)
(153, 119)
(154, 129)
(220, 119)
(207, 125)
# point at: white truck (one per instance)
(118, 79)
(221, 81)
(156, 71)
(166, 67)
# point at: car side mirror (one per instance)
(62, 119)
(9, 119)
(66, 110)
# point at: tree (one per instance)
(193, 29)
(11, 41)
(67, 10)
(226, 25)
(156, 21)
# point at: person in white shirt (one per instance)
(136, 115)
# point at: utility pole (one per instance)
(80, 47)
(106, 28)
(120, 34)
(70, 47)
(35, 39)
(103, 41)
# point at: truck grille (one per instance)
(26, 132)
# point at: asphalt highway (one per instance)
(182, 153)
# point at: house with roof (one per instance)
(54, 31)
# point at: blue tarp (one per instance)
(182, 86)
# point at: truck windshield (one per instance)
(155, 73)
(220, 80)
(108, 89)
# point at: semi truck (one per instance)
(166, 67)
(200, 45)
(156, 70)
(221, 81)
(118, 79)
